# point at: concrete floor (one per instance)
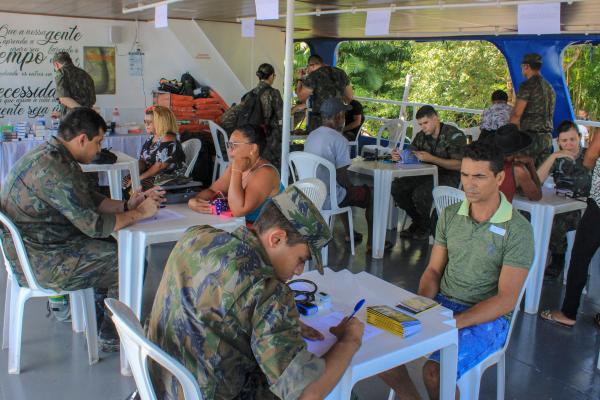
(544, 361)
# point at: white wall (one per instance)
(214, 53)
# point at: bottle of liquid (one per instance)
(116, 116)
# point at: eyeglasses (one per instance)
(234, 145)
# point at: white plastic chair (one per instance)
(191, 148)
(397, 131)
(443, 196)
(314, 189)
(469, 383)
(305, 165)
(17, 296)
(138, 348)
(354, 143)
(474, 132)
(220, 162)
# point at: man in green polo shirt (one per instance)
(482, 253)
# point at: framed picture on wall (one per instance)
(99, 62)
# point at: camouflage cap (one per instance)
(307, 219)
(532, 58)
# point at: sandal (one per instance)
(357, 238)
(547, 315)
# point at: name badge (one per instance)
(497, 230)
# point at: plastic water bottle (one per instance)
(54, 122)
(116, 116)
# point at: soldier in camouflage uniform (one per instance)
(567, 169)
(437, 143)
(74, 86)
(63, 221)
(272, 111)
(322, 82)
(534, 109)
(224, 311)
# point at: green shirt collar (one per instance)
(502, 214)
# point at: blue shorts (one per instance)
(475, 342)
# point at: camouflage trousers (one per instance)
(413, 195)
(562, 224)
(89, 263)
(540, 148)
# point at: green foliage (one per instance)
(582, 72)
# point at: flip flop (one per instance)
(546, 315)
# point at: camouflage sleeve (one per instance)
(456, 145)
(417, 142)
(69, 194)
(278, 106)
(278, 345)
(61, 90)
(524, 92)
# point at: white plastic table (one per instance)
(133, 241)
(542, 215)
(10, 152)
(124, 162)
(386, 350)
(383, 173)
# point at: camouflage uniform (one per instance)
(272, 109)
(326, 82)
(413, 193)
(536, 120)
(52, 203)
(221, 311)
(572, 175)
(75, 83)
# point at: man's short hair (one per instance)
(486, 151)
(81, 120)
(315, 58)
(426, 111)
(62, 57)
(499, 95)
(534, 61)
(567, 126)
(271, 217)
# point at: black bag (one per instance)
(250, 112)
(188, 84)
(170, 86)
(105, 156)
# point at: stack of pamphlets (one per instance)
(417, 304)
(393, 320)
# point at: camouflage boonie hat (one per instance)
(307, 219)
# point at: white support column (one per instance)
(287, 91)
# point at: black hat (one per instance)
(509, 139)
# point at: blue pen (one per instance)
(357, 307)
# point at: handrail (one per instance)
(587, 123)
(413, 104)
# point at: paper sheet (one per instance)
(248, 27)
(378, 23)
(161, 16)
(267, 9)
(537, 19)
(322, 323)
(164, 214)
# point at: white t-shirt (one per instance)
(332, 146)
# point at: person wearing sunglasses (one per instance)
(248, 182)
